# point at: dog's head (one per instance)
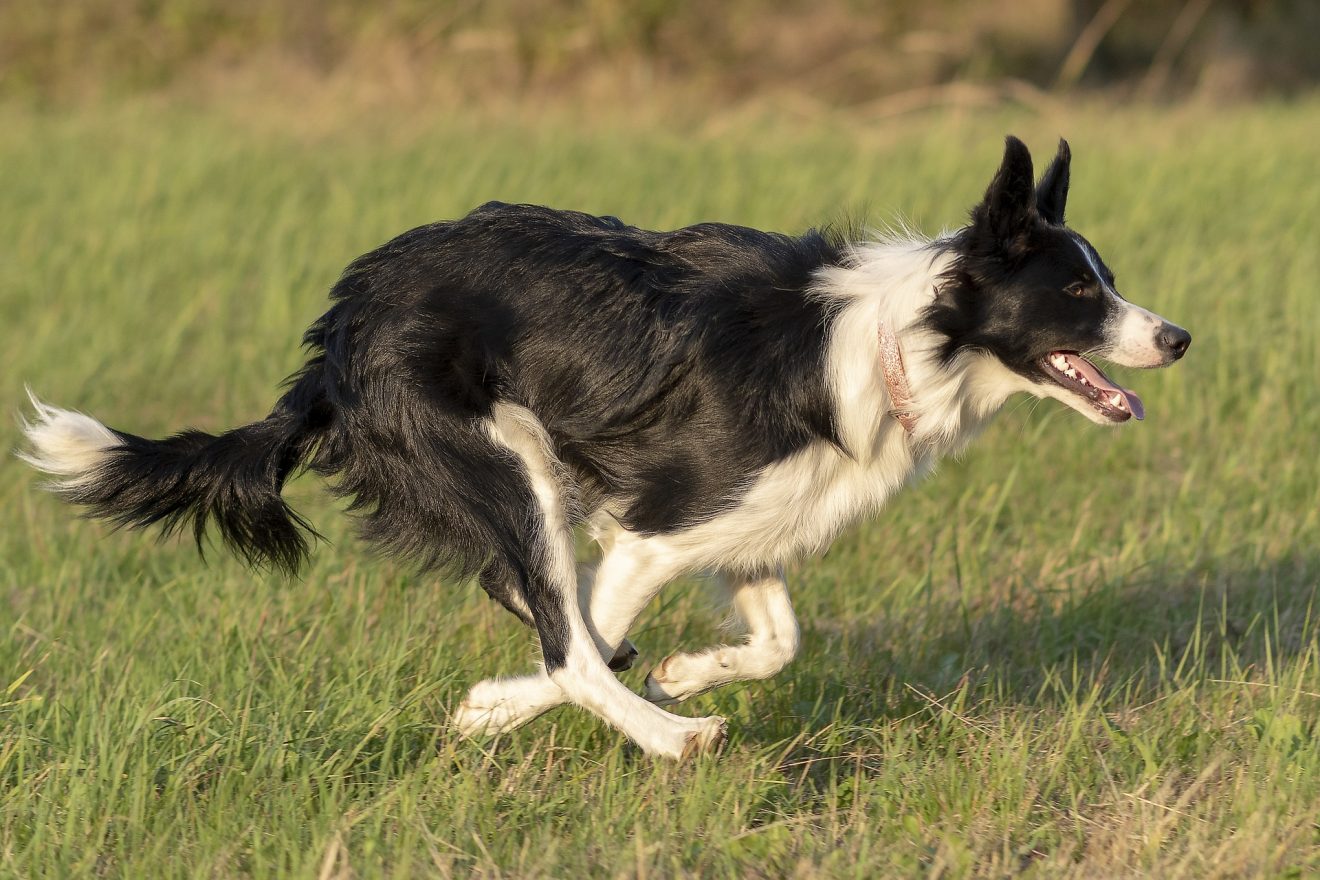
(1037, 298)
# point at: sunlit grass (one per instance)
(1076, 650)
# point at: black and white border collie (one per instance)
(713, 399)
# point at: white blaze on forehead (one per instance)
(1091, 261)
(1132, 331)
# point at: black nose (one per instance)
(1174, 340)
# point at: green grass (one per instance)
(1077, 651)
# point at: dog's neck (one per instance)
(900, 393)
(891, 386)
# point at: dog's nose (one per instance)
(1174, 340)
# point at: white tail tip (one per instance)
(65, 443)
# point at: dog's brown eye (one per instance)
(1078, 288)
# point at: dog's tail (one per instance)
(193, 478)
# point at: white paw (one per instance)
(682, 676)
(708, 739)
(494, 707)
(686, 738)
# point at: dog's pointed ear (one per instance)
(1052, 191)
(1009, 205)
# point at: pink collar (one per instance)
(900, 395)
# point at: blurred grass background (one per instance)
(1076, 652)
(834, 52)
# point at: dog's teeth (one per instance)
(1070, 373)
(1116, 399)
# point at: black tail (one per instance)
(193, 478)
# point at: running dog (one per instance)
(713, 398)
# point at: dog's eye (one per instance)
(1079, 288)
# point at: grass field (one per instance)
(1076, 652)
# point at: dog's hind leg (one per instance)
(762, 604)
(576, 665)
(628, 577)
(631, 573)
(502, 585)
(572, 652)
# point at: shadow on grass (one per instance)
(1115, 649)
(1127, 637)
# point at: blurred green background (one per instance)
(836, 52)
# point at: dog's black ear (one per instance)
(1009, 206)
(1052, 191)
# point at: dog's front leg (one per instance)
(762, 604)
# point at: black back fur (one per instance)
(636, 350)
(640, 352)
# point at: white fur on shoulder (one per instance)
(888, 281)
(891, 281)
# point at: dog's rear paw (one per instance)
(708, 740)
(498, 706)
(624, 657)
(476, 720)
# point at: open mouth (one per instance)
(1084, 378)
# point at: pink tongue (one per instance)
(1101, 381)
(1134, 404)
